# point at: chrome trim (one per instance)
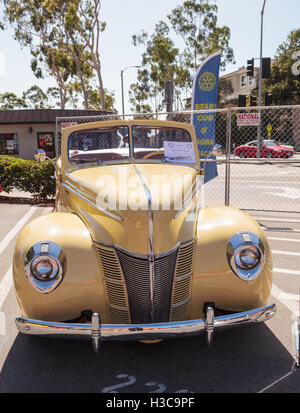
(45, 249)
(153, 331)
(296, 335)
(150, 238)
(96, 332)
(143, 256)
(113, 281)
(185, 205)
(209, 325)
(181, 303)
(103, 210)
(183, 277)
(235, 244)
(117, 307)
(150, 211)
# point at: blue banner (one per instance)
(205, 97)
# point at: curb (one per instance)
(31, 201)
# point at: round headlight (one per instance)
(44, 268)
(247, 257)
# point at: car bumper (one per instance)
(98, 332)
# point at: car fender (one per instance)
(82, 286)
(213, 280)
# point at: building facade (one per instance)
(237, 83)
(22, 132)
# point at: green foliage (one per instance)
(195, 21)
(284, 84)
(29, 176)
(160, 61)
(10, 100)
(35, 98)
(63, 37)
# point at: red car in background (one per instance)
(270, 149)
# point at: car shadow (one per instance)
(249, 359)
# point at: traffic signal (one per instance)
(250, 67)
(253, 100)
(248, 100)
(266, 67)
(242, 101)
(268, 99)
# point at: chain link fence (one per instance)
(258, 162)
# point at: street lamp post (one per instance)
(259, 140)
(122, 85)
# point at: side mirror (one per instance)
(40, 155)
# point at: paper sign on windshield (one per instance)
(179, 151)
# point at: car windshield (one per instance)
(99, 145)
(270, 143)
(165, 143)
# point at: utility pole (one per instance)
(259, 140)
(122, 86)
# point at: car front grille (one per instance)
(127, 282)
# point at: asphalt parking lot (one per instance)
(249, 359)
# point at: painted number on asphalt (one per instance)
(157, 387)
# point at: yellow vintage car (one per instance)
(131, 252)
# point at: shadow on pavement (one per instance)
(245, 360)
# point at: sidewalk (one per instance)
(21, 197)
(15, 193)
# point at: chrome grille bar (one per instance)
(145, 308)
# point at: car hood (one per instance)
(129, 196)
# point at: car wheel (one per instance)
(269, 155)
(242, 155)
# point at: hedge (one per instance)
(29, 176)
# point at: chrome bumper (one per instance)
(98, 332)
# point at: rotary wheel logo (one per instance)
(207, 81)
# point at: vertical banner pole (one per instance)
(204, 100)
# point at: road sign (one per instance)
(269, 129)
(248, 119)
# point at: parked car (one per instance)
(130, 253)
(270, 149)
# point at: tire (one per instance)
(269, 155)
(242, 155)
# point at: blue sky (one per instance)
(127, 17)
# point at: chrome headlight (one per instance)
(45, 266)
(246, 255)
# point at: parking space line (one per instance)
(291, 301)
(277, 219)
(5, 285)
(286, 271)
(13, 232)
(283, 239)
(286, 253)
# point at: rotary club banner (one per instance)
(205, 97)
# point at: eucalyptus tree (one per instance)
(36, 98)
(284, 83)
(63, 36)
(9, 100)
(160, 61)
(195, 21)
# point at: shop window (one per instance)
(46, 142)
(8, 144)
